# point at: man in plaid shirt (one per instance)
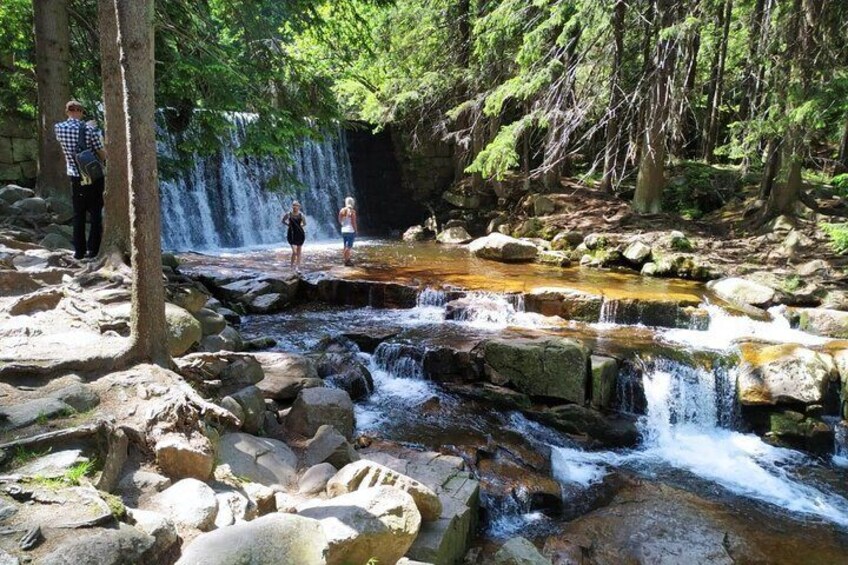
(87, 199)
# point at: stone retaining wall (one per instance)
(18, 151)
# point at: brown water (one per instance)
(431, 264)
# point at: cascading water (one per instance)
(686, 427)
(223, 201)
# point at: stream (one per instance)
(685, 408)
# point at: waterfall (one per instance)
(223, 200)
(689, 412)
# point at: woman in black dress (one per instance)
(296, 222)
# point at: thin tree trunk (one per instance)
(650, 180)
(685, 138)
(843, 150)
(717, 85)
(147, 321)
(52, 72)
(116, 231)
(612, 148)
(772, 166)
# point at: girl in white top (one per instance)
(347, 219)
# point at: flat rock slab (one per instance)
(52, 465)
(261, 460)
(22, 415)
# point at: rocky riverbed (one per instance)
(423, 406)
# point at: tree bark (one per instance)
(685, 139)
(714, 99)
(650, 180)
(612, 148)
(843, 151)
(147, 321)
(52, 72)
(116, 231)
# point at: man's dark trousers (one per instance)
(87, 201)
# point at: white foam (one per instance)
(726, 330)
(681, 430)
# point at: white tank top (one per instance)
(347, 221)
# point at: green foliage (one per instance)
(792, 283)
(696, 188)
(17, 56)
(840, 183)
(23, 455)
(838, 234)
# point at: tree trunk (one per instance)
(842, 166)
(714, 98)
(650, 181)
(687, 124)
(116, 231)
(612, 148)
(772, 165)
(52, 72)
(147, 322)
(786, 192)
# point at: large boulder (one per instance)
(823, 321)
(604, 378)
(184, 331)
(565, 302)
(500, 247)
(315, 407)
(330, 446)
(637, 253)
(189, 503)
(167, 545)
(374, 523)
(744, 292)
(279, 539)
(417, 233)
(261, 460)
(547, 367)
(519, 551)
(224, 371)
(211, 322)
(11, 193)
(783, 373)
(366, 474)
(456, 235)
(182, 457)
(252, 405)
(33, 206)
(286, 374)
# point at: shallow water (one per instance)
(429, 264)
(689, 426)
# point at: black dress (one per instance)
(295, 234)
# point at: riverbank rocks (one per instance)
(328, 445)
(366, 474)
(263, 295)
(792, 429)
(500, 247)
(377, 523)
(456, 235)
(783, 373)
(315, 407)
(546, 367)
(519, 551)
(417, 233)
(211, 322)
(189, 503)
(252, 405)
(261, 460)
(104, 546)
(610, 431)
(567, 303)
(604, 378)
(225, 372)
(823, 321)
(282, 539)
(744, 292)
(184, 457)
(184, 331)
(637, 253)
(286, 374)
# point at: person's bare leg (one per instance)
(293, 255)
(298, 252)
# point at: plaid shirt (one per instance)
(67, 134)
